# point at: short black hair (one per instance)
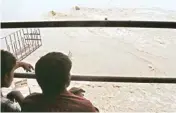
(53, 72)
(8, 61)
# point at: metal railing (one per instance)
(93, 78)
(136, 24)
(43, 24)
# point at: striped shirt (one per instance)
(9, 106)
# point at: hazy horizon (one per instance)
(30, 9)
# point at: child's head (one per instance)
(53, 72)
(8, 63)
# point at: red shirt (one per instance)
(65, 102)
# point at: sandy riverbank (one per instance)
(117, 52)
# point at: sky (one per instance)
(30, 9)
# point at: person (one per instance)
(8, 65)
(53, 76)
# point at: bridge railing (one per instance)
(49, 24)
(107, 23)
(94, 78)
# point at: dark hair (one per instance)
(8, 61)
(53, 72)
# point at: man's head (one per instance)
(53, 72)
(8, 62)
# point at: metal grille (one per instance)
(23, 42)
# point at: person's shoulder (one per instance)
(30, 102)
(79, 98)
(88, 104)
(32, 97)
(91, 106)
(85, 103)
